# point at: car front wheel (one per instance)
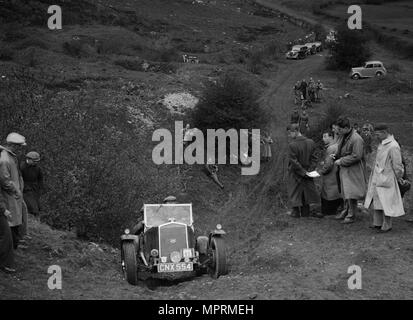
(379, 74)
(355, 76)
(219, 258)
(131, 265)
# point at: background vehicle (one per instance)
(297, 52)
(312, 49)
(167, 247)
(370, 69)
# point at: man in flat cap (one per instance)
(383, 194)
(33, 182)
(302, 159)
(11, 183)
(352, 179)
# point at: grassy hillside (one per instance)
(89, 96)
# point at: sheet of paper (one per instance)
(313, 174)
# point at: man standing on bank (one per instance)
(11, 184)
(33, 182)
(301, 188)
(352, 169)
(383, 193)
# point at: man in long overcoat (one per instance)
(11, 183)
(352, 169)
(301, 188)
(383, 193)
(6, 239)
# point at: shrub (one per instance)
(6, 53)
(320, 32)
(350, 50)
(230, 103)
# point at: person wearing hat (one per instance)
(11, 184)
(351, 176)
(302, 159)
(33, 182)
(139, 227)
(383, 194)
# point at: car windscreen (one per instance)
(157, 214)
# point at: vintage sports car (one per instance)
(167, 247)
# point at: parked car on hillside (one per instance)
(167, 248)
(312, 49)
(297, 52)
(370, 69)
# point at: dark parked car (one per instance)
(167, 247)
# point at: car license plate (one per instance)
(175, 267)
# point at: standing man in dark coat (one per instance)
(33, 182)
(301, 188)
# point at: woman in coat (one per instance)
(383, 193)
(331, 198)
(266, 142)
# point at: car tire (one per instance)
(131, 264)
(379, 74)
(355, 76)
(219, 257)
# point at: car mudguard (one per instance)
(202, 244)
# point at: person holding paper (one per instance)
(302, 159)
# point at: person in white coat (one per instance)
(383, 194)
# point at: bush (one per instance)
(320, 32)
(350, 50)
(6, 53)
(230, 103)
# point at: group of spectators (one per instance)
(20, 185)
(307, 92)
(343, 173)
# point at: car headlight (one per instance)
(154, 252)
(219, 227)
(127, 231)
(175, 256)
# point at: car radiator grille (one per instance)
(173, 237)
